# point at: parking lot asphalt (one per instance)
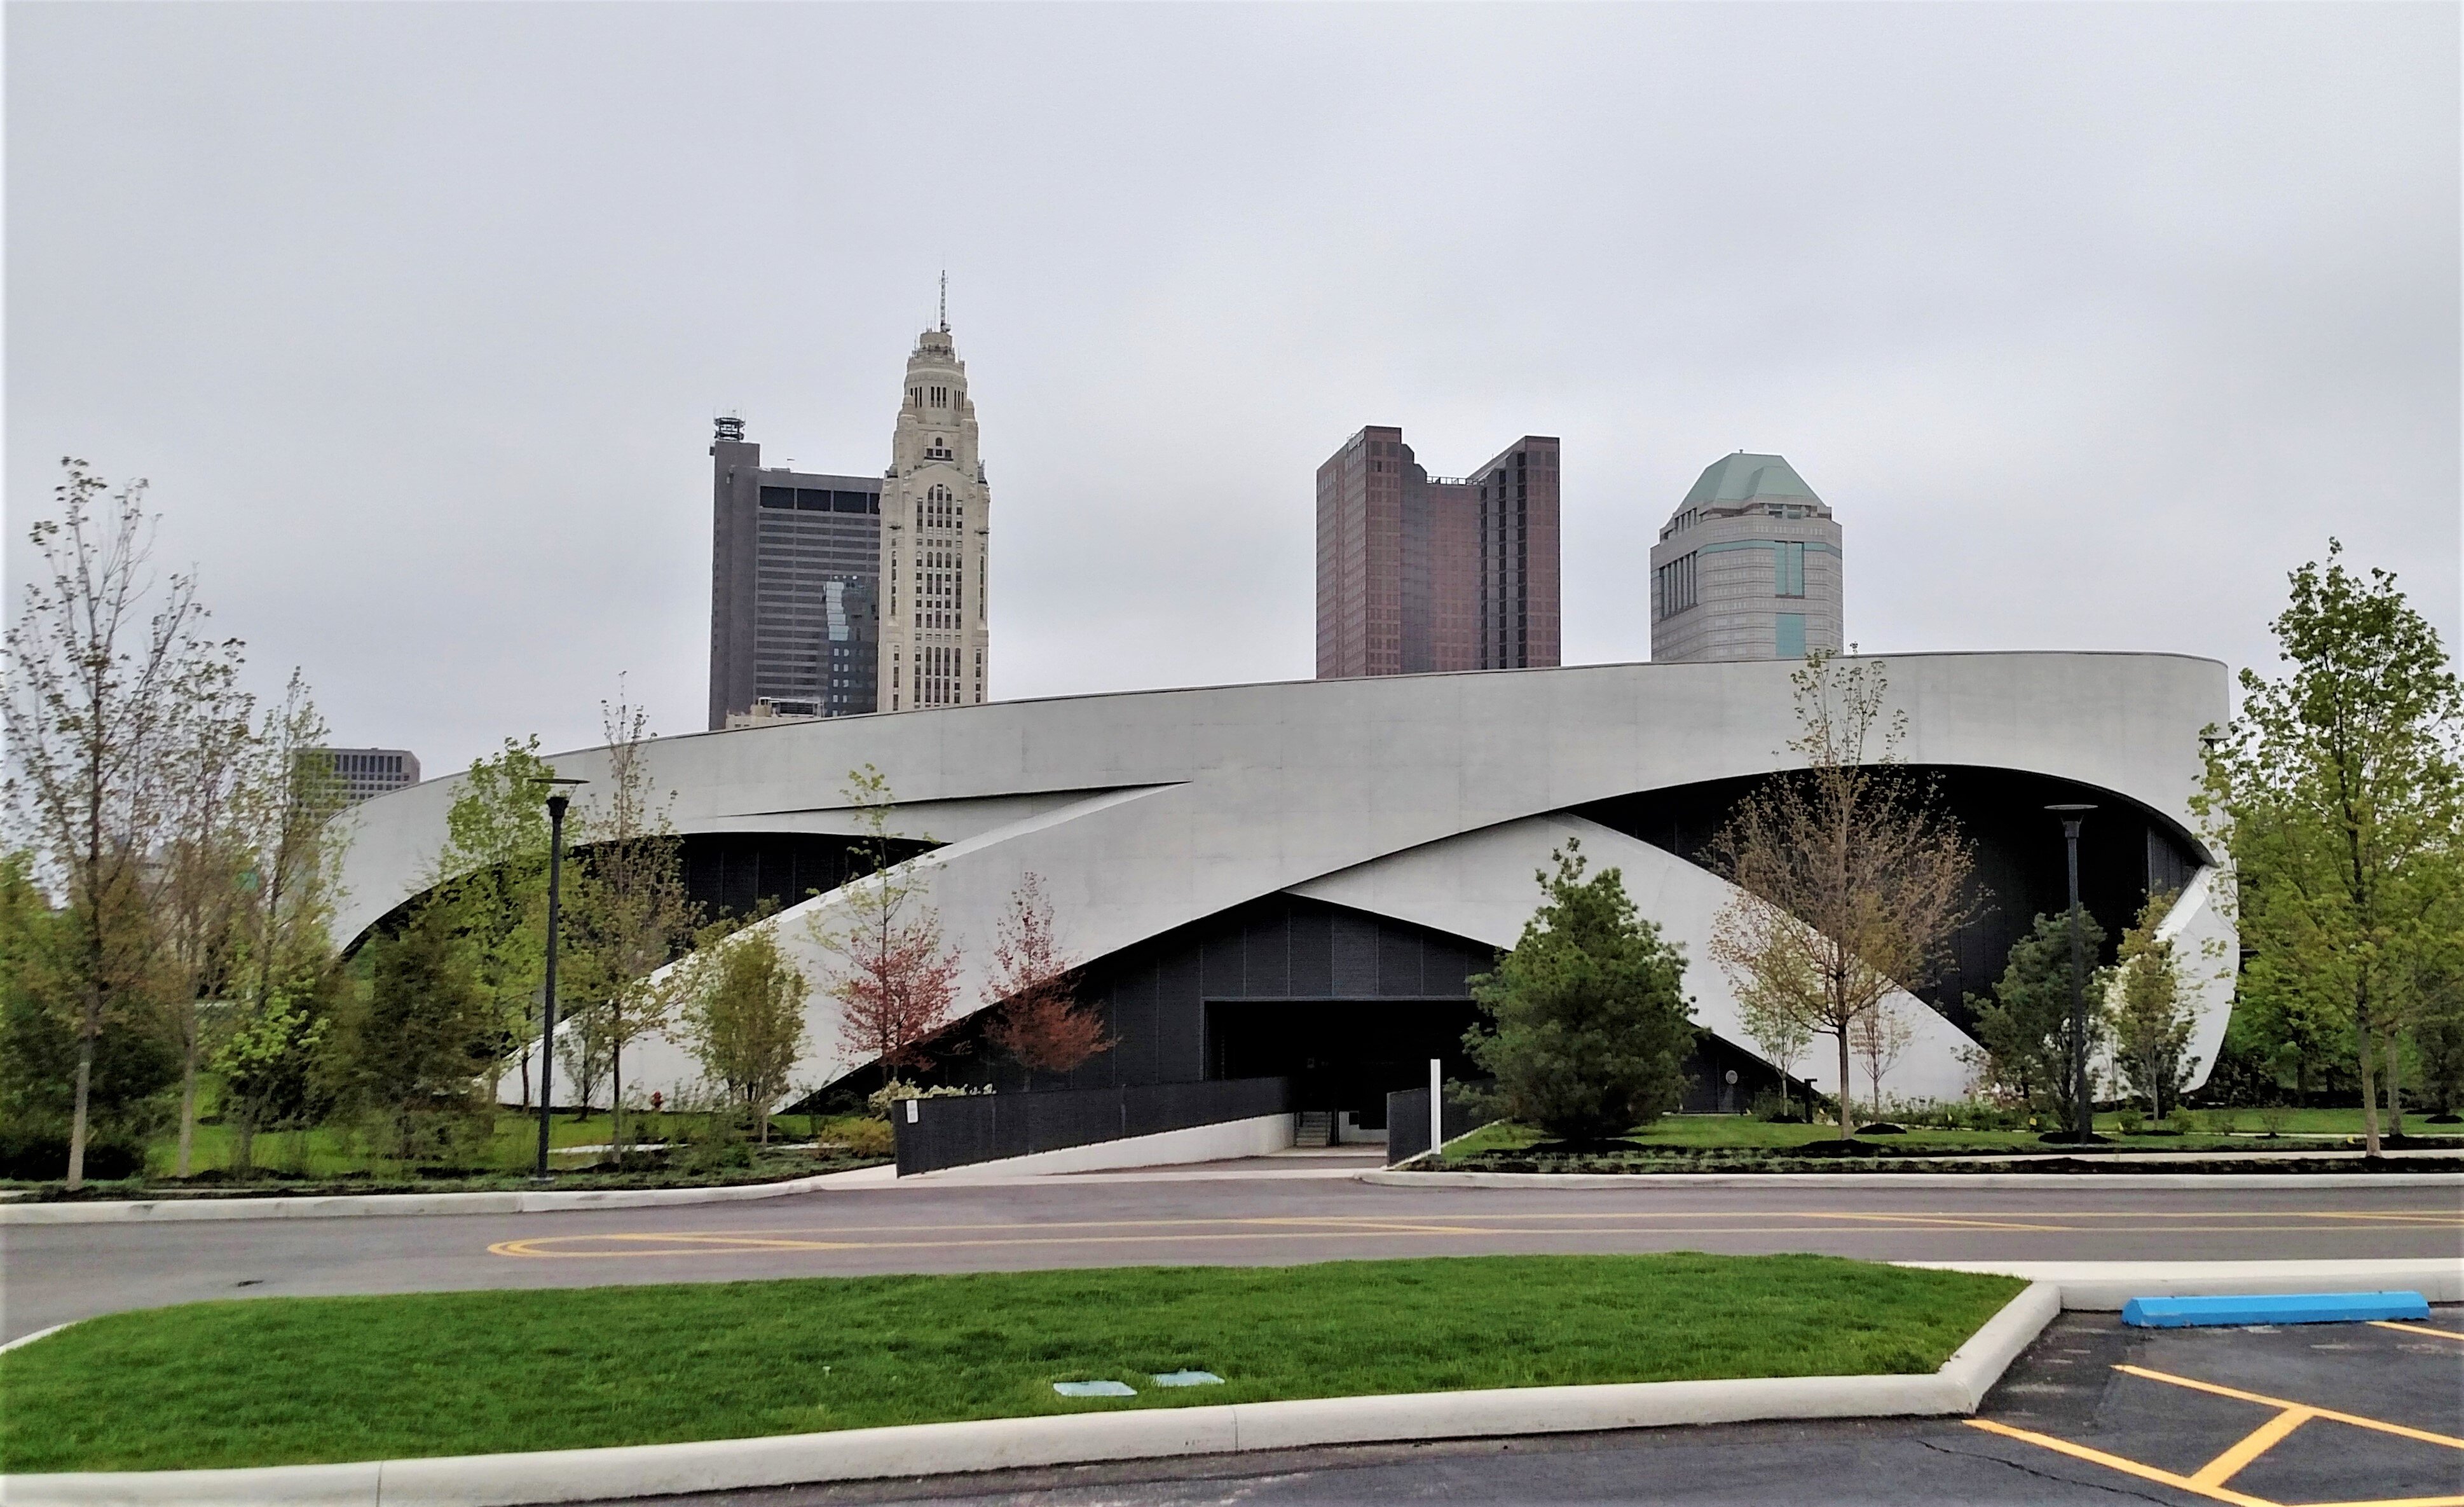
(53, 1274)
(2348, 1415)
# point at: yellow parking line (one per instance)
(2355, 1419)
(2417, 1329)
(2250, 1447)
(2115, 1462)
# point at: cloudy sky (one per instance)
(2088, 321)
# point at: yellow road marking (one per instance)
(1179, 1232)
(2355, 1419)
(2417, 1329)
(2250, 1447)
(2115, 1462)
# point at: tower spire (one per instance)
(945, 300)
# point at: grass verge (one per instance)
(291, 1381)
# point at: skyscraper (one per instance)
(936, 525)
(361, 774)
(795, 569)
(1417, 572)
(1747, 568)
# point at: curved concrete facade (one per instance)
(1428, 799)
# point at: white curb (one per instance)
(2104, 1286)
(512, 1200)
(1644, 1181)
(562, 1475)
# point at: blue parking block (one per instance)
(2274, 1308)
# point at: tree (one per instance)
(492, 873)
(1040, 1022)
(101, 666)
(410, 1052)
(287, 804)
(1771, 1024)
(2025, 1029)
(896, 980)
(133, 1062)
(743, 1015)
(2151, 1021)
(629, 914)
(2336, 791)
(1850, 882)
(1589, 1024)
(205, 864)
(1882, 1034)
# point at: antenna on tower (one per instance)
(945, 300)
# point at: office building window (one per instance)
(1675, 586)
(1788, 641)
(1788, 569)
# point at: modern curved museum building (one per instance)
(1296, 880)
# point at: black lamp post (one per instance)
(556, 802)
(2083, 1111)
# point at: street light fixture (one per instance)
(2083, 1109)
(556, 801)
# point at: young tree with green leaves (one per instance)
(287, 804)
(1772, 1023)
(2336, 791)
(492, 875)
(205, 861)
(1850, 879)
(2030, 1050)
(2151, 1020)
(101, 667)
(1589, 1024)
(132, 1061)
(742, 1015)
(408, 1050)
(628, 912)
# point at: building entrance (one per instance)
(1343, 1056)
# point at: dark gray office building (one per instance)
(794, 585)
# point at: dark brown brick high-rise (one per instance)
(1418, 573)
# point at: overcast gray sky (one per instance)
(2088, 321)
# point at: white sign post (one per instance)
(1436, 1108)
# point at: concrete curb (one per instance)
(2168, 1180)
(343, 1206)
(918, 1450)
(2104, 1286)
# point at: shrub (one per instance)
(866, 1137)
(1588, 1021)
(40, 1153)
(879, 1100)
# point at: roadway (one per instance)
(1276, 1212)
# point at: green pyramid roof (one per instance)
(1742, 477)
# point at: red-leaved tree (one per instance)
(1040, 1022)
(894, 978)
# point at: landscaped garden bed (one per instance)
(289, 1381)
(2218, 1142)
(664, 1150)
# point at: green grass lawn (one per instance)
(285, 1381)
(1742, 1134)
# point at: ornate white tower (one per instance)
(935, 523)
